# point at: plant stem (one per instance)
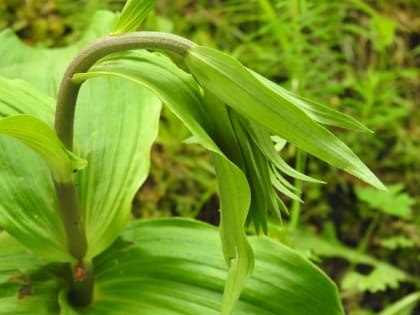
(81, 292)
(82, 284)
(67, 95)
(367, 237)
(72, 219)
(296, 205)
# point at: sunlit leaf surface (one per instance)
(44, 68)
(171, 266)
(115, 127)
(28, 206)
(180, 92)
(38, 136)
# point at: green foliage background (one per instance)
(362, 57)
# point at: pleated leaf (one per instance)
(132, 15)
(225, 77)
(115, 127)
(38, 136)
(44, 68)
(28, 206)
(169, 267)
(28, 285)
(180, 92)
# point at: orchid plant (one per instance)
(68, 175)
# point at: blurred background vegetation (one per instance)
(360, 56)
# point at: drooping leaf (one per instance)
(265, 143)
(180, 92)
(235, 201)
(225, 77)
(258, 174)
(170, 266)
(43, 140)
(132, 15)
(317, 111)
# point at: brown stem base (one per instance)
(81, 293)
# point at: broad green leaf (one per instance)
(115, 127)
(180, 92)
(116, 124)
(28, 285)
(43, 140)
(28, 209)
(157, 73)
(230, 81)
(15, 260)
(257, 171)
(19, 97)
(132, 15)
(42, 67)
(28, 206)
(169, 267)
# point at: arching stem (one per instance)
(82, 279)
(67, 95)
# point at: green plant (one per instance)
(72, 215)
(358, 56)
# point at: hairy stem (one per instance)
(67, 95)
(82, 280)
